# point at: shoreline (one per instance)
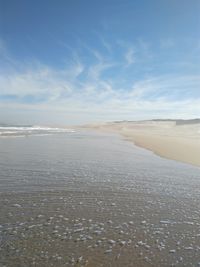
(165, 139)
(93, 199)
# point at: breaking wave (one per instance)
(19, 131)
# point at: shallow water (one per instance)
(89, 199)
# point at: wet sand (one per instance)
(124, 207)
(99, 229)
(168, 139)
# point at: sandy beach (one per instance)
(177, 140)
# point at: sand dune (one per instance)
(177, 140)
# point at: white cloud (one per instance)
(95, 99)
(106, 44)
(64, 97)
(172, 87)
(130, 56)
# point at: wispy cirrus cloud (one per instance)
(93, 91)
(130, 56)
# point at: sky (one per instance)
(66, 62)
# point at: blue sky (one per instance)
(71, 62)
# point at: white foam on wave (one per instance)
(11, 131)
(34, 128)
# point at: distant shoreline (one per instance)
(170, 139)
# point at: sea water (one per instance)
(85, 198)
(67, 158)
